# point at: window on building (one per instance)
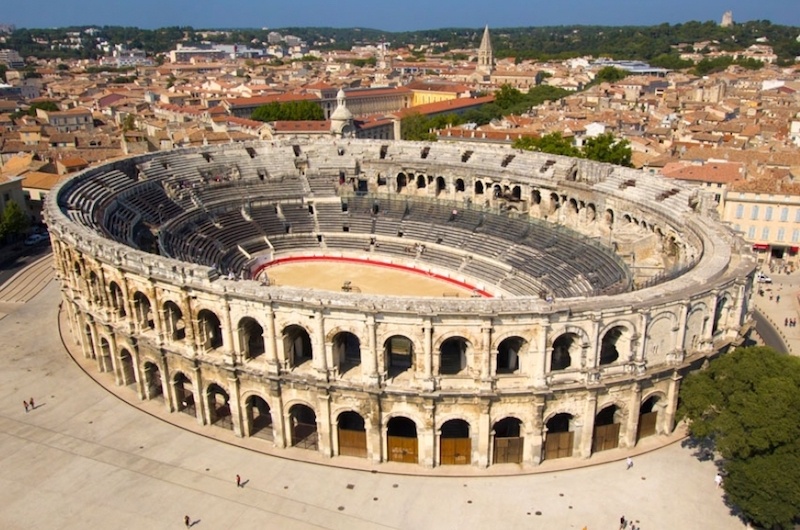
(781, 234)
(740, 211)
(784, 214)
(751, 232)
(754, 212)
(765, 233)
(769, 213)
(795, 236)
(797, 216)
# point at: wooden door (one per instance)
(605, 437)
(558, 445)
(455, 451)
(352, 443)
(647, 424)
(402, 449)
(508, 450)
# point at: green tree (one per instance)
(289, 111)
(746, 405)
(610, 74)
(552, 143)
(606, 148)
(415, 126)
(14, 222)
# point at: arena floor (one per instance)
(363, 277)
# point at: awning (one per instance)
(760, 246)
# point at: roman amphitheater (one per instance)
(429, 304)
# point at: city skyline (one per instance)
(415, 15)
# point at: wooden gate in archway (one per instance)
(508, 450)
(605, 437)
(402, 449)
(558, 445)
(455, 451)
(352, 443)
(647, 424)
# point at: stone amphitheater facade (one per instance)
(596, 290)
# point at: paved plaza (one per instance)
(84, 458)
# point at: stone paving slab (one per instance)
(85, 459)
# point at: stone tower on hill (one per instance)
(727, 19)
(485, 54)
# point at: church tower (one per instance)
(342, 119)
(485, 54)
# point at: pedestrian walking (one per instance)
(187, 521)
(629, 462)
(32, 405)
(778, 299)
(718, 480)
(238, 481)
(622, 523)
(786, 322)
(26, 405)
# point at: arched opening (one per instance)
(516, 193)
(536, 198)
(564, 348)
(508, 441)
(259, 417)
(508, 355)
(555, 202)
(648, 418)
(478, 187)
(94, 288)
(420, 182)
(117, 300)
(184, 394)
(455, 448)
(304, 427)
(402, 182)
(352, 435)
(347, 350)
(173, 321)
(153, 386)
(296, 345)
(606, 429)
(399, 351)
(219, 407)
(251, 335)
(105, 355)
(720, 314)
(88, 343)
(210, 330)
(127, 372)
(441, 185)
(143, 311)
(609, 218)
(460, 185)
(614, 339)
(401, 441)
(560, 437)
(453, 356)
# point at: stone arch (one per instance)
(536, 197)
(95, 288)
(105, 355)
(566, 351)
(508, 354)
(402, 439)
(722, 311)
(508, 441)
(399, 354)
(401, 182)
(660, 337)
(609, 217)
(117, 299)
(607, 424)
(209, 329)
(346, 349)
(219, 406)
(459, 185)
(258, 415)
(455, 444)
(650, 413)
(143, 311)
(616, 343)
(441, 185)
(560, 436)
(127, 370)
(251, 336)
(184, 393)
(695, 327)
(421, 182)
(153, 382)
(453, 353)
(352, 434)
(479, 188)
(174, 321)
(303, 423)
(297, 348)
(516, 193)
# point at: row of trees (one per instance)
(288, 111)
(602, 148)
(746, 407)
(13, 223)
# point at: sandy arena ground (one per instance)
(364, 278)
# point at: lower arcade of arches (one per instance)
(426, 430)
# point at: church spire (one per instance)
(485, 54)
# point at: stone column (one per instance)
(228, 345)
(324, 427)
(427, 353)
(427, 437)
(680, 333)
(535, 436)
(320, 347)
(200, 401)
(634, 405)
(279, 419)
(587, 434)
(486, 352)
(671, 406)
(237, 411)
(540, 363)
(484, 427)
(369, 358)
(270, 343)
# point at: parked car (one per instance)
(763, 278)
(35, 239)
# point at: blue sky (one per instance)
(388, 15)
